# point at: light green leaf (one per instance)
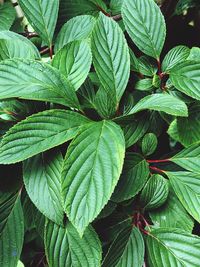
(74, 61)
(12, 36)
(189, 128)
(173, 131)
(194, 54)
(188, 158)
(110, 56)
(126, 250)
(145, 24)
(76, 29)
(172, 247)
(20, 264)
(135, 130)
(185, 76)
(174, 56)
(155, 192)
(134, 176)
(42, 179)
(88, 180)
(186, 185)
(39, 133)
(161, 102)
(42, 15)
(11, 231)
(166, 216)
(15, 49)
(7, 16)
(28, 79)
(64, 247)
(149, 144)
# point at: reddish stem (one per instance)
(158, 160)
(51, 52)
(103, 11)
(117, 17)
(156, 169)
(44, 51)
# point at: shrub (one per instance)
(100, 131)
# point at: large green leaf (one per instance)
(149, 144)
(186, 185)
(64, 247)
(39, 133)
(7, 16)
(126, 250)
(28, 79)
(172, 247)
(174, 56)
(42, 15)
(155, 192)
(145, 24)
(77, 28)
(134, 175)
(185, 76)
(15, 49)
(166, 216)
(10, 36)
(88, 179)
(74, 61)
(42, 179)
(161, 102)
(188, 158)
(11, 231)
(110, 56)
(189, 128)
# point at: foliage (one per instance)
(100, 133)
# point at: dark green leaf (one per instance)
(7, 16)
(39, 133)
(149, 144)
(64, 247)
(145, 24)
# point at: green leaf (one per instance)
(115, 6)
(76, 29)
(104, 104)
(74, 61)
(42, 179)
(14, 37)
(134, 176)
(144, 85)
(173, 131)
(87, 94)
(11, 231)
(126, 250)
(72, 8)
(149, 144)
(166, 216)
(188, 158)
(42, 15)
(110, 56)
(194, 54)
(7, 16)
(174, 56)
(174, 247)
(155, 192)
(185, 77)
(20, 264)
(145, 24)
(28, 79)
(15, 49)
(189, 128)
(183, 5)
(88, 179)
(64, 247)
(39, 133)
(135, 130)
(161, 102)
(186, 185)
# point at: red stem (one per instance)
(158, 160)
(51, 52)
(156, 169)
(103, 11)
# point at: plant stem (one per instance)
(103, 11)
(51, 52)
(156, 169)
(158, 160)
(117, 17)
